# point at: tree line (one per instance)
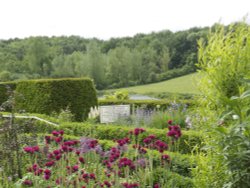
(118, 62)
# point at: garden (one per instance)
(199, 142)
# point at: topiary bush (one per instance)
(53, 95)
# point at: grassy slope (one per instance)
(184, 84)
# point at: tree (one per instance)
(38, 57)
(97, 64)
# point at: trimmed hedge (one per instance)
(148, 104)
(4, 91)
(189, 141)
(53, 95)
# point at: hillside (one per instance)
(183, 84)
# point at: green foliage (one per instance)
(5, 76)
(38, 57)
(159, 118)
(117, 62)
(147, 104)
(236, 149)
(225, 63)
(66, 115)
(48, 96)
(118, 95)
(4, 93)
(171, 179)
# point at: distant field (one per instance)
(184, 84)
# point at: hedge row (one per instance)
(189, 141)
(53, 95)
(148, 104)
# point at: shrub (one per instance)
(225, 63)
(4, 93)
(53, 95)
(148, 104)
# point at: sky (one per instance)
(105, 19)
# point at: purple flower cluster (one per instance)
(161, 146)
(89, 144)
(31, 149)
(137, 131)
(123, 141)
(124, 162)
(174, 131)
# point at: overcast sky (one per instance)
(104, 19)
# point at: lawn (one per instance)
(183, 84)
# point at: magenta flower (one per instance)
(47, 139)
(35, 167)
(27, 182)
(55, 133)
(38, 172)
(61, 132)
(81, 159)
(174, 131)
(123, 162)
(47, 171)
(147, 140)
(107, 183)
(58, 139)
(157, 185)
(130, 185)
(75, 168)
(46, 176)
(56, 152)
(36, 148)
(170, 122)
(161, 146)
(165, 157)
(122, 142)
(58, 157)
(50, 163)
(30, 149)
(138, 131)
(92, 176)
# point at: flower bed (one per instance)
(84, 163)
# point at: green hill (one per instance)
(183, 84)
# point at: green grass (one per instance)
(183, 84)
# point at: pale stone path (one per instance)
(31, 117)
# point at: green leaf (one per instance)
(222, 130)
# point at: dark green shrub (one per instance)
(53, 95)
(4, 93)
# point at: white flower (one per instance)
(235, 116)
